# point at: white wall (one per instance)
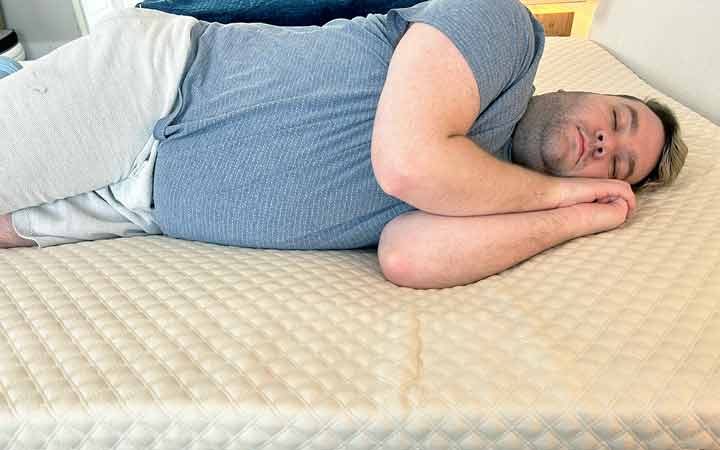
(671, 44)
(42, 25)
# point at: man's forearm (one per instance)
(422, 250)
(461, 179)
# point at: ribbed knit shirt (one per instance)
(269, 143)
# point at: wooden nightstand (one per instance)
(563, 17)
(557, 24)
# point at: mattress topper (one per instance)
(607, 341)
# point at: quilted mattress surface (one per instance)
(609, 341)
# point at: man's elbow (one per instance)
(394, 170)
(405, 271)
(395, 263)
(406, 262)
(394, 268)
(411, 255)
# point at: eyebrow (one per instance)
(634, 118)
(633, 127)
(632, 166)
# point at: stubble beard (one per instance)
(541, 132)
(553, 160)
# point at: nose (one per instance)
(603, 144)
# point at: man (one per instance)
(415, 131)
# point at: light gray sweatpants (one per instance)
(76, 146)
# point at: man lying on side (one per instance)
(414, 131)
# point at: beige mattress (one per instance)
(610, 341)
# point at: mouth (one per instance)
(580, 140)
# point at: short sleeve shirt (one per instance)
(269, 143)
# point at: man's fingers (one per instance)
(632, 204)
(609, 199)
(603, 191)
(620, 202)
(629, 196)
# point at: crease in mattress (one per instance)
(412, 392)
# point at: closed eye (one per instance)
(614, 168)
(614, 120)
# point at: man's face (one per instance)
(576, 134)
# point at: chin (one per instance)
(552, 162)
(557, 155)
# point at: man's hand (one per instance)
(573, 191)
(599, 216)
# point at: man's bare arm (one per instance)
(455, 177)
(420, 152)
(422, 250)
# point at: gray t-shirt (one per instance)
(269, 145)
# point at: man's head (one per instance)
(582, 134)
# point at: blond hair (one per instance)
(674, 151)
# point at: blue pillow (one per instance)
(8, 66)
(275, 12)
